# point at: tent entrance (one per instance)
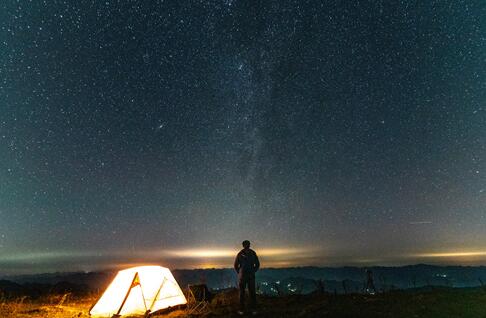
(133, 286)
(135, 295)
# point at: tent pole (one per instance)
(158, 292)
(143, 298)
(126, 296)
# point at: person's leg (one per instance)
(252, 291)
(241, 286)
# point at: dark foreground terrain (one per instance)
(443, 303)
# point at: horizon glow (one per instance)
(223, 258)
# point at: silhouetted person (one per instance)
(246, 265)
(370, 285)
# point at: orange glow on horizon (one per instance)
(452, 254)
(229, 253)
(201, 253)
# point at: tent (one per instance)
(139, 291)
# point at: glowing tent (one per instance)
(139, 291)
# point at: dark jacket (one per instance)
(246, 263)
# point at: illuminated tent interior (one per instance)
(139, 291)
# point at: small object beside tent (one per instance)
(139, 291)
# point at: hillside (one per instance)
(300, 280)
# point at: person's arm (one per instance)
(257, 263)
(237, 263)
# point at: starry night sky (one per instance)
(326, 133)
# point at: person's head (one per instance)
(246, 244)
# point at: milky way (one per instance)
(342, 132)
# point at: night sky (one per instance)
(331, 133)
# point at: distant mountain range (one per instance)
(272, 281)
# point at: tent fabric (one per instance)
(138, 291)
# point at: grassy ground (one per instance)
(441, 303)
(42, 308)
